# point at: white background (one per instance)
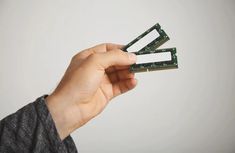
(188, 110)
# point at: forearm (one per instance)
(66, 116)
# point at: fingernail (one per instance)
(132, 56)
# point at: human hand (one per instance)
(93, 78)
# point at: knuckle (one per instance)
(94, 57)
(78, 56)
(75, 58)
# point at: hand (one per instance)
(93, 78)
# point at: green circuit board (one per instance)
(145, 67)
(151, 48)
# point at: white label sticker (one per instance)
(143, 41)
(154, 57)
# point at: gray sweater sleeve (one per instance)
(32, 130)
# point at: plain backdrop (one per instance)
(186, 110)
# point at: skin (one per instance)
(93, 78)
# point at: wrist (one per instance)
(65, 115)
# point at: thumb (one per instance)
(114, 58)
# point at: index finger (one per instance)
(105, 47)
